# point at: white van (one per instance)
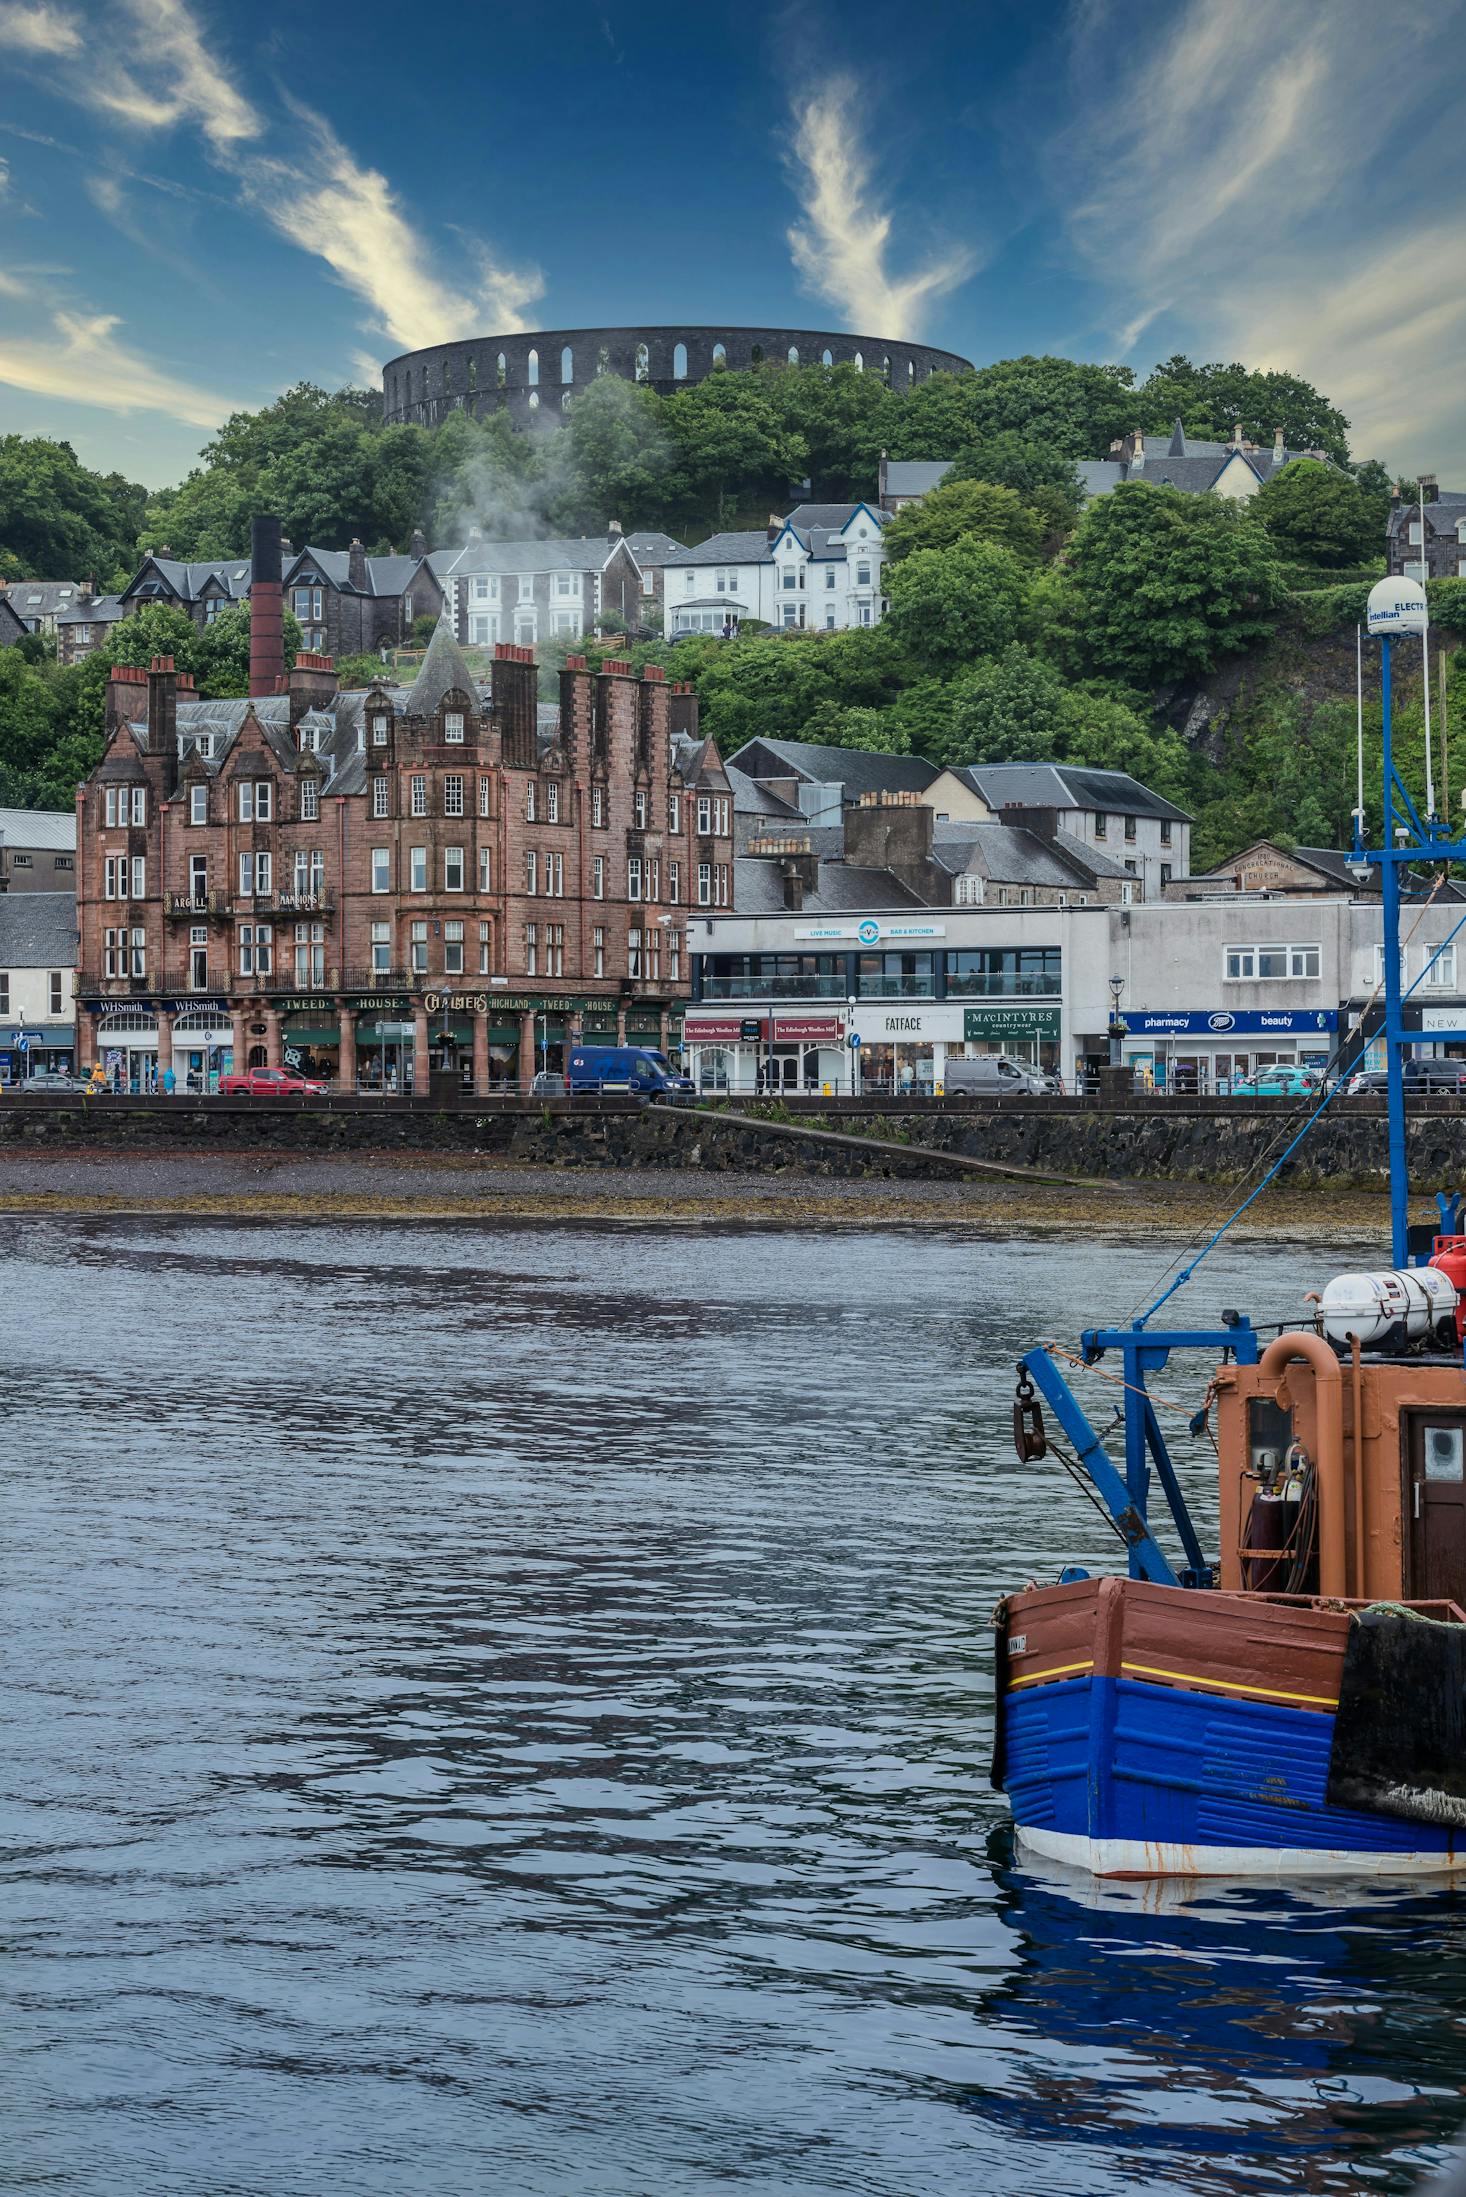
(992, 1075)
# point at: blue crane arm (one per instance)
(1146, 1558)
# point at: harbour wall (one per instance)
(1165, 1141)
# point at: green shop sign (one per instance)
(1035, 1022)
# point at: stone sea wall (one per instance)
(1160, 1142)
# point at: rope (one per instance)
(1328, 1099)
(1117, 1380)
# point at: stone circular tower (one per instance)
(533, 376)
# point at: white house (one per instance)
(1107, 812)
(822, 567)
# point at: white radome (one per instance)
(1398, 606)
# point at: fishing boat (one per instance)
(1296, 1704)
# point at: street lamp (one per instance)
(852, 1050)
(1117, 1025)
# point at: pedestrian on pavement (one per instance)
(169, 1081)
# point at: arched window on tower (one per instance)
(794, 354)
(532, 368)
(472, 373)
(910, 370)
(534, 400)
(757, 354)
(679, 362)
(603, 360)
(720, 356)
(859, 363)
(643, 362)
(567, 364)
(827, 356)
(567, 398)
(503, 370)
(886, 371)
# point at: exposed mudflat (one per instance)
(381, 1185)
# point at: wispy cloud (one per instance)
(38, 29)
(287, 165)
(841, 247)
(82, 359)
(1247, 176)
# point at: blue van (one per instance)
(626, 1068)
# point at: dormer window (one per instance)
(307, 738)
(379, 729)
(453, 725)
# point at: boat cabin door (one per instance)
(1435, 1505)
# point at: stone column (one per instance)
(528, 1039)
(165, 1045)
(274, 1043)
(238, 1022)
(89, 1044)
(420, 1068)
(346, 1079)
(481, 1051)
(621, 1024)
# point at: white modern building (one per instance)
(1207, 990)
(822, 568)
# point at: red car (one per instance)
(269, 1083)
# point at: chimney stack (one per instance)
(614, 528)
(775, 526)
(418, 546)
(682, 709)
(162, 706)
(516, 704)
(1429, 487)
(266, 637)
(356, 566)
(1278, 451)
(311, 683)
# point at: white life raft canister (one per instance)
(1370, 1306)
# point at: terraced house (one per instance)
(395, 889)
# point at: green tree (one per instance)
(615, 456)
(1160, 584)
(1211, 400)
(951, 605)
(1009, 709)
(28, 722)
(965, 511)
(1318, 515)
(844, 419)
(1067, 408)
(1015, 460)
(59, 520)
(729, 446)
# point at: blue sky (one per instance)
(200, 205)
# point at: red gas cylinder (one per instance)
(1449, 1254)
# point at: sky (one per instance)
(200, 206)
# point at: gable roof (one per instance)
(859, 770)
(384, 575)
(1188, 462)
(37, 930)
(42, 598)
(93, 610)
(1442, 516)
(189, 580)
(12, 625)
(1066, 786)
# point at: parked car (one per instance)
(1435, 1075)
(994, 1075)
(52, 1079)
(1278, 1082)
(269, 1083)
(634, 1068)
(1366, 1083)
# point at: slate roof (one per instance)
(42, 598)
(914, 476)
(651, 550)
(1189, 463)
(443, 670)
(384, 575)
(1065, 786)
(93, 610)
(584, 553)
(12, 625)
(729, 549)
(1443, 516)
(857, 769)
(37, 930)
(1007, 854)
(752, 799)
(816, 526)
(52, 831)
(188, 581)
(758, 888)
(832, 516)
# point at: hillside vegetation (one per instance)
(1191, 640)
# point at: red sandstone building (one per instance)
(438, 887)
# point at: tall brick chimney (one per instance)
(266, 638)
(162, 706)
(516, 703)
(356, 565)
(682, 709)
(311, 684)
(651, 718)
(575, 714)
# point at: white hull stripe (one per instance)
(1133, 1857)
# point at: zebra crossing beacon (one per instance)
(1292, 1700)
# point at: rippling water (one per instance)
(497, 1711)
